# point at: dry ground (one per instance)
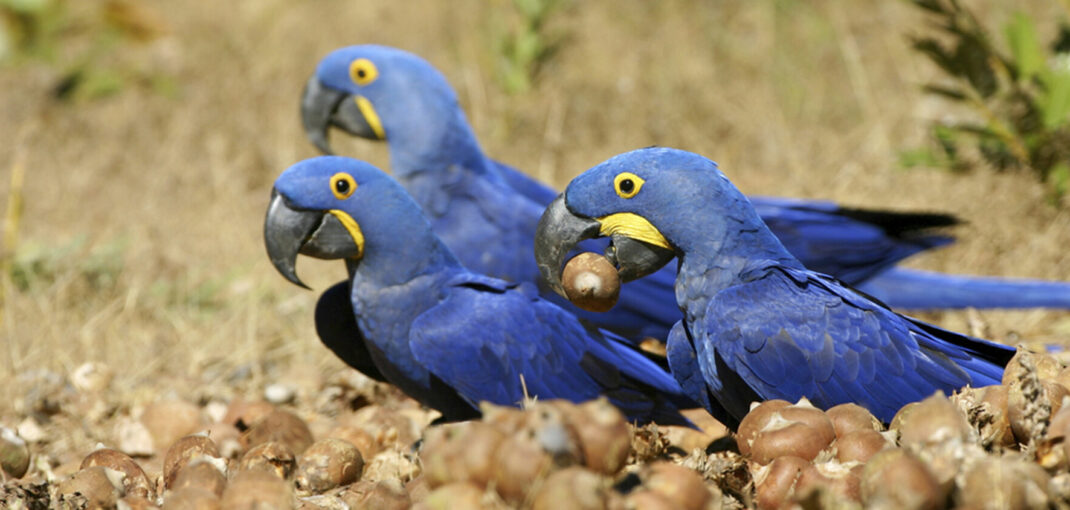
(143, 210)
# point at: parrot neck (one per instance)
(716, 262)
(385, 314)
(390, 291)
(424, 255)
(402, 249)
(437, 149)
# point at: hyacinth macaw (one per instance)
(757, 323)
(446, 336)
(485, 211)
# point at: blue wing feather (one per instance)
(480, 341)
(807, 348)
(852, 244)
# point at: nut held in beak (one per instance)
(591, 282)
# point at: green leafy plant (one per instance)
(1019, 96)
(529, 44)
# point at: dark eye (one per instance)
(627, 184)
(362, 71)
(342, 185)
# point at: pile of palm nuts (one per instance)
(993, 447)
(996, 447)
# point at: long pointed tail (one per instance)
(924, 290)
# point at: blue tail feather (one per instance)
(924, 290)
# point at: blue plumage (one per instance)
(448, 337)
(483, 210)
(757, 324)
(486, 211)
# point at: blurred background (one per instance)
(141, 138)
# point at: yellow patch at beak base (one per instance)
(352, 227)
(633, 226)
(368, 111)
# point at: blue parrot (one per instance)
(486, 211)
(757, 324)
(446, 336)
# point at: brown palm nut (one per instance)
(358, 437)
(1005, 483)
(244, 413)
(604, 435)
(385, 495)
(136, 503)
(1046, 366)
(388, 426)
(932, 420)
(460, 452)
(227, 439)
(850, 417)
(996, 430)
(901, 415)
(418, 487)
(548, 420)
(192, 498)
(758, 417)
(182, 452)
(645, 499)
(775, 483)
(591, 282)
(257, 489)
(135, 481)
(859, 445)
(519, 462)
(100, 486)
(457, 495)
(270, 457)
(1023, 406)
(281, 426)
(1063, 377)
(507, 419)
(572, 488)
(326, 464)
(831, 477)
(14, 454)
(1053, 451)
(169, 420)
(202, 473)
(800, 430)
(894, 478)
(683, 486)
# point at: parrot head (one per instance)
(648, 201)
(374, 92)
(333, 207)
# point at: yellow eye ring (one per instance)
(342, 185)
(362, 71)
(627, 184)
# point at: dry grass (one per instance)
(146, 208)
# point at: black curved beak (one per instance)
(289, 232)
(635, 259)
(323, 107)
(560, 231)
